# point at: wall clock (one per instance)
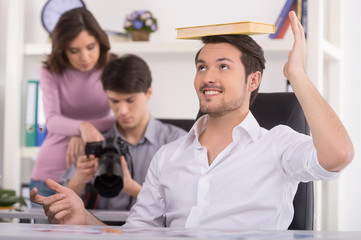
(54, 8)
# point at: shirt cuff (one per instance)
(319, 171)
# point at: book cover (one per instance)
(248, 28)
(30, 118)
(304, 16)
(286, 24)
(282, 18)
(299, 9)
(41, 120)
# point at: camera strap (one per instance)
(91, 197)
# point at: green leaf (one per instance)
(5, 193)
(8, 198)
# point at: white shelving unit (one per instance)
(326, 68)
(179, 46)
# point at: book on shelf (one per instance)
(304, 16)
(282, 17)
(286, 24)
(299, 9)
(247, 27)
(35, 129)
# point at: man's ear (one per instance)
(149, 93)
(254, 79)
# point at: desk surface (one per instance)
(38, 213)
(51, 231)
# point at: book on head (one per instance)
(247, 28)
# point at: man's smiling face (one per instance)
(220, 80)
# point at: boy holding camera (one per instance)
(127, 83)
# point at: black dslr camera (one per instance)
(108, 179)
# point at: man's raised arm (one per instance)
(334, 147)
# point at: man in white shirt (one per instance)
(228, 172)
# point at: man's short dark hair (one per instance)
(252, 54)
(127, 74)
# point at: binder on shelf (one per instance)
(282, 18)
(30, 119)
(41, 121)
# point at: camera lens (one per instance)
(109, 176)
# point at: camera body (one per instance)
(108, 179)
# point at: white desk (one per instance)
(38, 213)
(51, 231)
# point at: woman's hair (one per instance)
(252, 54)
(68, 27)
(127, 74)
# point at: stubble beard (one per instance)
(222, 109)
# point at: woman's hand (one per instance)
(89, 133)
(75, 149)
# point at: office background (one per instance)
(173, 72)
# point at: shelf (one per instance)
(32, 49)
(29, 152)
(171, 47)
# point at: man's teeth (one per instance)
(211, 92)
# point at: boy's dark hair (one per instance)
(68, 27)
(252, 54)
(127, 74)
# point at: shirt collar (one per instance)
(249, 125)
(150, 132)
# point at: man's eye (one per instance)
(201, 68)
(224, 67)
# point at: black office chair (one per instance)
(271, 109)
(186, 124)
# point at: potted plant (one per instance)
(9, 198)
(140, 24)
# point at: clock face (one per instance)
(54, 8)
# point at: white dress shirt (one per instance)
(250, 185)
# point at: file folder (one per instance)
(41, 121)
(30, 119)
